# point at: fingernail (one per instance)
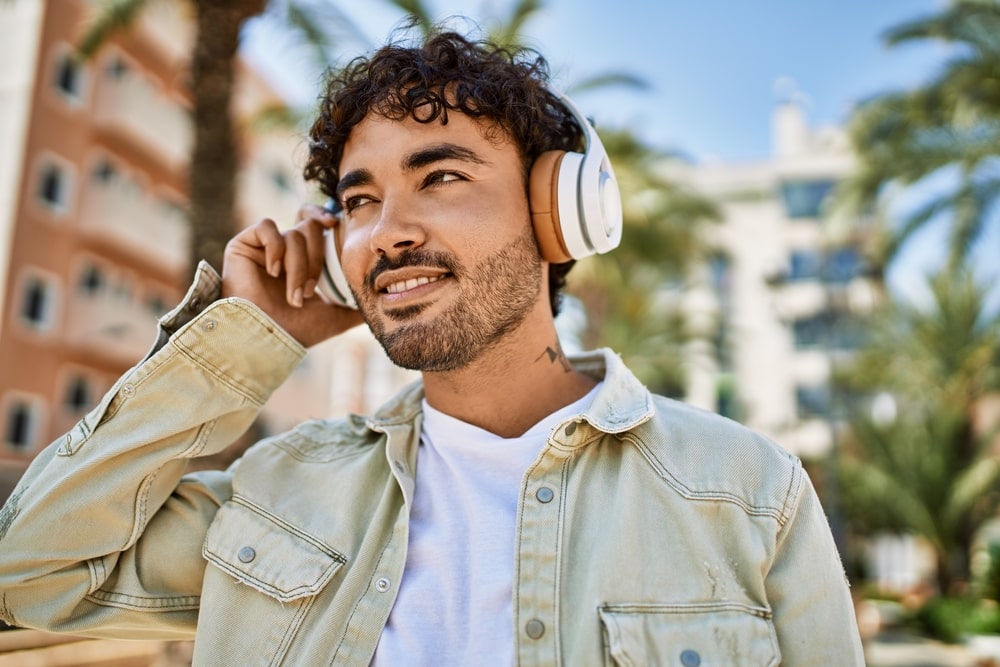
(297, 297)
(275, 269)
(310, 288)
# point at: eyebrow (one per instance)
(438, 153)
(352, 178)
(412, 162)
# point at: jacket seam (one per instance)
(689, 494)
(121, 600)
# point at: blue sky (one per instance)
(715, 70)
(713, 66)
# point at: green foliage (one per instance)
(951, 124)
(929, 469)
(953, 619)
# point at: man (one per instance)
(512, 507)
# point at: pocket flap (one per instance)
(719, 633)
(268, 554)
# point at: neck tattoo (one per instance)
(555, 354)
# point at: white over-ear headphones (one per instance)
(576, 208)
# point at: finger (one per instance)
(296, 264)
(315, 238)
(262, 243)
(314, 212)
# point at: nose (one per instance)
(398, 227)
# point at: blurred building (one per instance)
(93, 232)
(776, 305)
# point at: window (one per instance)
(805, 199)
(54, 186)
(37, 302)
(839, 331)
(280, 179)
(116, 68)
(804, 265)
(69, 76)
(156, 304)
(21, 425)
(78, 395)
(812, 401)
(843, 265)
(104, 172)
(91, 280)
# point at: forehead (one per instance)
(378, 138)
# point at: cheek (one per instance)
(354, 255)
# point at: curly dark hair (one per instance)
(507, 88)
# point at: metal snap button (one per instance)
(690, 658)
(210, 325)
(544, 495)
(246, 554)
(534, 628)
(128, 390)
(382, 584)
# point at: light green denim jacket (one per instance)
(648, 533)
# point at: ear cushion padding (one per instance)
(543, 186)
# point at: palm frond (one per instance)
(110, 17)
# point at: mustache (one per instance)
(416, 257)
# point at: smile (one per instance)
(404, 285)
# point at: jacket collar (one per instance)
(622, 403)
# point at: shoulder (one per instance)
(318, 440)
(707, 456)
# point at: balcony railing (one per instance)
(136, 223)
(169, 28)
(132, 106)
(107, 325)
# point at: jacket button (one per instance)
(544, 495)
(534, 628)
(246, 554)
(382, 584)
(570, 428)
(690, 658)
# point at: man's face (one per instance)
(437, 242)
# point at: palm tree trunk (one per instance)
(214, 163)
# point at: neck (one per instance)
(511, 387)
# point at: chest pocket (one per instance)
(268, 554)
(689, 635)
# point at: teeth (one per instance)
(403, 285)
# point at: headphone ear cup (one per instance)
(333, 283)
(543, 199)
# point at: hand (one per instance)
(278, 271)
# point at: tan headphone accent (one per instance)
(543, 185)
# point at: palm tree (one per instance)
(949, 127)
(925, 465)
(214, 162)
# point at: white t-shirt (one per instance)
(455, 602)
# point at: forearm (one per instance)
(102, 527)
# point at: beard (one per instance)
(495, 298)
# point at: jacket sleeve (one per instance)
(103, 534)
(808, 591)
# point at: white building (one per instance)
(783, 285)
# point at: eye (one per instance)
(439, 177)
(354, 201)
